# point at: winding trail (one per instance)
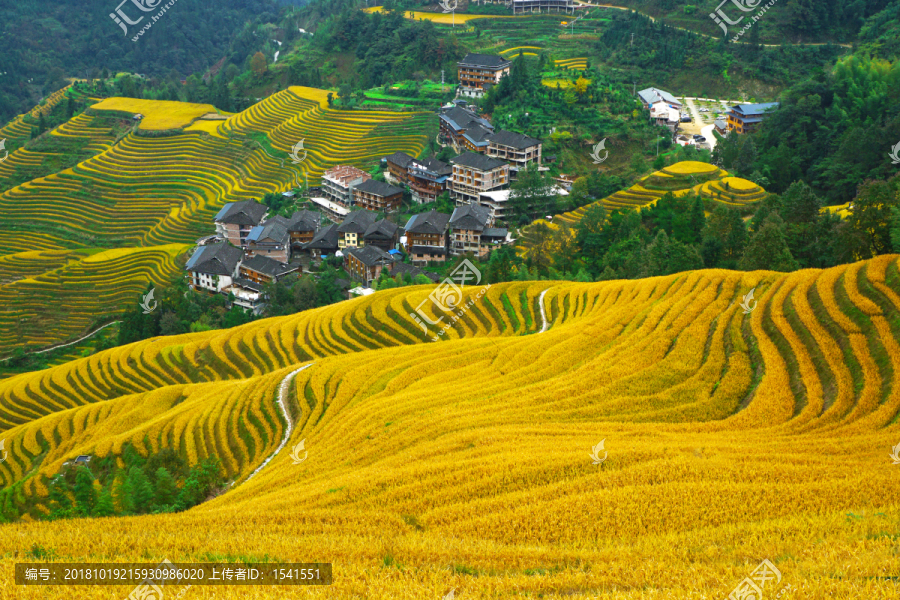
(545, 325)
(58, 346)
(282, 397)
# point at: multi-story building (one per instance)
(539, 6)
(398, 166)
(476, 71)
(382, 234)
(745, 118)
(652, 96)
(474, 174)
(324, 243)
(354, 227)
(466, 224)
(213, 268)
(365, 264)
(464, 129)
(236, 219)
(334, 211)
(377, 195)
(271, 239)
(517, 149)
(302, 227)
(261, 269)
(428, 179)
(338, 183)
(426, 237)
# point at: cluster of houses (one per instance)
(666, 109)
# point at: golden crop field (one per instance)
(439, 17)
(734, 432)
(140, 192)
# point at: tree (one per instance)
(258, 63)
(166, 490)
(870, 218)
(729, 234)
(768, 250)
(533, 194)
(895, 228)
(85, 495)
(139, 490)
(104, 506)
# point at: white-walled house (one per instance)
(214, 267)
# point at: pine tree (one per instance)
(768, 250)
(140, 491)
(85, 495)
(104, 506)
(166, 489)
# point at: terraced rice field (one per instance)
(441, 18)
(140, 191)
(731, 438)
(577, 64)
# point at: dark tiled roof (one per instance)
(357, 222)
(382, 228)
(274, 229)
(268, 266)
(754, 109)
(215, 259)
(401, 159)
(477, 161)
(478, 134)
(470, 216)
(401, 268)
(493, 61)
(249, 284)
(325, 239)
(462, 118)
(494, 232)
(246, 212)
(378, 188)
(303, 220)
(427, 250)
(430, 222)
(513, 140)
(371, 255)
(438, 167)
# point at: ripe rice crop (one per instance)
(743, 436)
(158, 114)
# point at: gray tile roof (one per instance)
(215, 259)
(654, 95)
(401, 159)
(477, 161)
(470, 216)
(325, 239)
(494, 232)
(493, 61)
(463, 118)
(268, 266)
(379, 188)
(513, 140)
(303, 220)
(755, 109)
(358, 221)
(438, 167)
(430, 222)
(246, 212)
(382, 228)
(274, 230)
(477, 134)
(371, 255)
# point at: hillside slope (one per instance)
(100, 181)
(464, 464)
